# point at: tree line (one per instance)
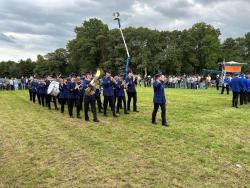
(171, 52)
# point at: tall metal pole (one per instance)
(116, 17)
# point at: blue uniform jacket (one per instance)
(226, 81)
(107, 87)
(63, 91)
(245, 84)
(236, 84)
(119, 89)
(71, 90)
(159, 93)
(34, 86)
(131, 85)
(41, 89)
(248, 86)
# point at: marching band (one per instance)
(84, 93)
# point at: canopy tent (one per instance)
(231, 66)
(210, 71)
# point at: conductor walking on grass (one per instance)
(159, 99)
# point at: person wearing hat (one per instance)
(120, 94)
(89, 100)
(71, 94)
(248, 88)
(226, 84)
(243, 93)
(236, 85)
(159, 99)
(131, 91)
(108, 93)
(63, 93)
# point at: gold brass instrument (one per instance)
(95, 83)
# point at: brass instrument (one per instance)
(94, 84)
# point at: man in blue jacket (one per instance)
(131, 91)
(226, 84)
(248, 88)
(108, 93)
(34, 86)
(243, 93)
(63, 93)
(120, 94)
(89, 100)
(159, 99)
(237, 86)
(71, 94)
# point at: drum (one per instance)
(53, 88)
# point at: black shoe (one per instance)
(56, 108)
(165, 124)
(105, 115)
(115, 115)
(86, 119)
(135, 111)
(126, 113)
(236, 107)
(154, 123)
(79, 117)
(96, 120)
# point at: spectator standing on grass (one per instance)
(11, 82)
(23, 83)
(217, 81)
(15, 84)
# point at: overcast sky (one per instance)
(31, 27)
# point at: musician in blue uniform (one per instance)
(89, 98)
(98, 98)
(131, 91)
(34, 86)
(120, 94)
(236, 85)
(41, 91)
(248, 89)
(79, 96)
(48, 96)
(243, 93)
(71, 95)
(108, 93)
(63, 93)
(226, 84)
(159, 99)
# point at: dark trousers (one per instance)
(110, 100)
(248, 97)
(78, 104)
(62, 102)
(121, 99)
(227, 88)
(163, 113)
(42, 97)
(243, 97)
(48, 100)
(217, 86)
(130, 96)
(34, 97)
(89, 101)
(71, 103)
(39, 98)
(99, 102)
(30, 93)
(235, 99)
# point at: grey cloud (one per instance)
(6, 38)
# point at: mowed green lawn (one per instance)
(205, 141)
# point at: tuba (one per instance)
(95, 83)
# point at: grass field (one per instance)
(205, 140)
